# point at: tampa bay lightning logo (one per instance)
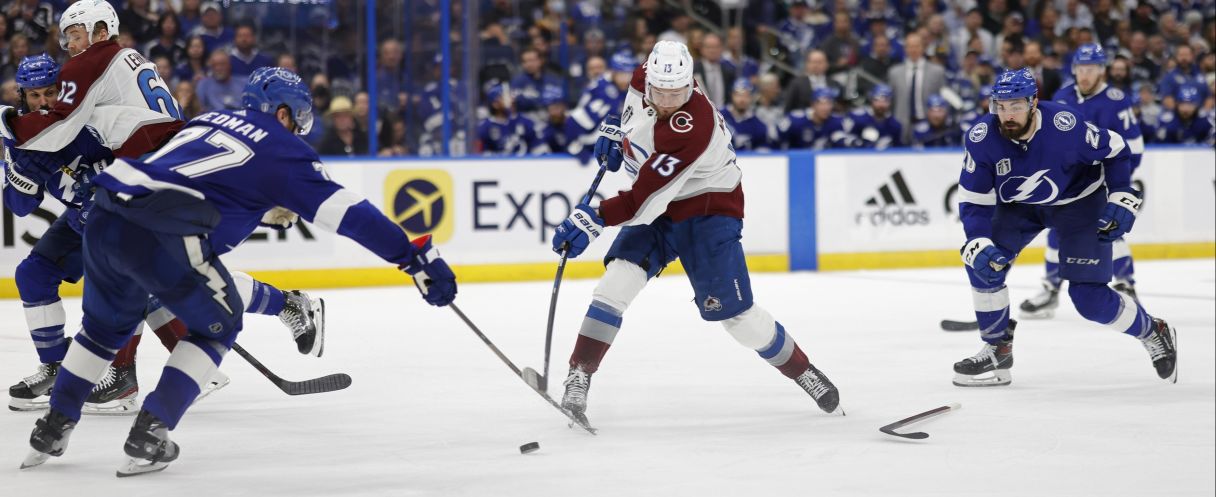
(1035, 189)
(978, 132)
(1114, 93)
(1065, 121)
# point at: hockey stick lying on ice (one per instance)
(328, 383)
(503, 357)
(952, 325)
(541, 382)
(920, 435)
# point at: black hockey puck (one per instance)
(529, 447)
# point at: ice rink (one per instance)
(681, 407)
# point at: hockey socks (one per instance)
(785, 355)
(189, 368)
(259, 297)
(126, 355)
(1100, 304)
(46, 321)
(991, 312)
(599, 329)
(756, 329)
(84, 365)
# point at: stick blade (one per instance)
(952, 325)
(329, 383)
(919, 435)
(534, 379)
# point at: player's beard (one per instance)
(1010, 129)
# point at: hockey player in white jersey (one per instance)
(686, 203)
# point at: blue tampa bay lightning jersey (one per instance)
(582, 124)
(512, 135)
(748, 132)
(1199, 129)
(1066, 159)
(924, 135)
(66, 177)
(870, 132)
(799, 131)
(245, 163)
(1108, 108)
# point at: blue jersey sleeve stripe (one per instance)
(1116, 144)
(976, 198)
(333, 209)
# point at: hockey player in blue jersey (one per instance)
(159, 226)
(1108, 108)
(550, 133)
(817, 130)
(66, 176)
(1185, 124)
(600, 98)
(876, 127)
(747, 131)
(1030, 166)
(937, 129)
(505, 132)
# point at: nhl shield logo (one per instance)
(712, 304)
(1003, 167)
(1064, 121)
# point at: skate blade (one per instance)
(35, 404)
(318, 317)
(999, 378)
(218, 380)
(118, 407)
(34, 458)
(136, 467)
(1173, 378)
(1039, 314)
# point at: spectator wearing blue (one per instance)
(430, 106)
(876, 127)
(936, 130)
(190, 15)
(245, 55)
(747, 131)
(530, 84)
(795, 34)
(1185, 125)
(390, 76)
(505, 132)
(1185, 70)
(551, 134)
(168, 42)
(220, 90)
(745, 66)
(879, 28)
(969, 118)
(602, 96)
(820, 128)
(212, 29)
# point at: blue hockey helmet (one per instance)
(1089, 53)
(37, 71)
(271, 87)
(936, 101)
(743, 84)
(552, 94)
(824, 93)
(1013, 85)
(496, 92)
(881, 91)
(622, 62)
(985, 92)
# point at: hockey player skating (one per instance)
(1109, 108)
(158, 228)
(56, 147)
(1044, 167)
(686, 203)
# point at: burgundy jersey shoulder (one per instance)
(687, 133)
(638, 82)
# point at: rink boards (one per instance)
(492, 218)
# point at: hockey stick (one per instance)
(328, 383)
(952, 325)
(541, 382)
(919, 435)
(515, 369)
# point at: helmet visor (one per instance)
(668, 97)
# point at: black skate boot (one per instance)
(49, 438)
(1043, 305)
(305, 317)
(1127, 288)
(578, 382)
(148, 446)
(996, 359)
(820, 388)
(1161, 345)
(115, 394)
(34, 392)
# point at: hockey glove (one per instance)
(985, 260)
(279, 218)
(431, 274)
(608, 146)
(578, 231)
(1121, 209)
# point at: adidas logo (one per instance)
(893, 205)
(886, 198)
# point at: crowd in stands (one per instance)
(786, 74)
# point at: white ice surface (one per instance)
(682, 409)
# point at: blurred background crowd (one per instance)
(535, 77)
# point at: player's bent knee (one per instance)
(621, 283)
(752, 328)
(1090, 299)
(37, 278)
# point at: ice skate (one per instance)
(990, 366)
(578, 382)
(820, 388)
(34, 392)
(148, 447)
(1043, 305)
(305, 317)
(115, 394)
(1162, 345)
(49, 438)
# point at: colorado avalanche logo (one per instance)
(1064, 121)
(681, 122)
(978, 133)
(1036, 189)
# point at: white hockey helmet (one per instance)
(87, 13)
(669, 67)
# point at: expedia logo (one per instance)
(893, 205)
(420, 201)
